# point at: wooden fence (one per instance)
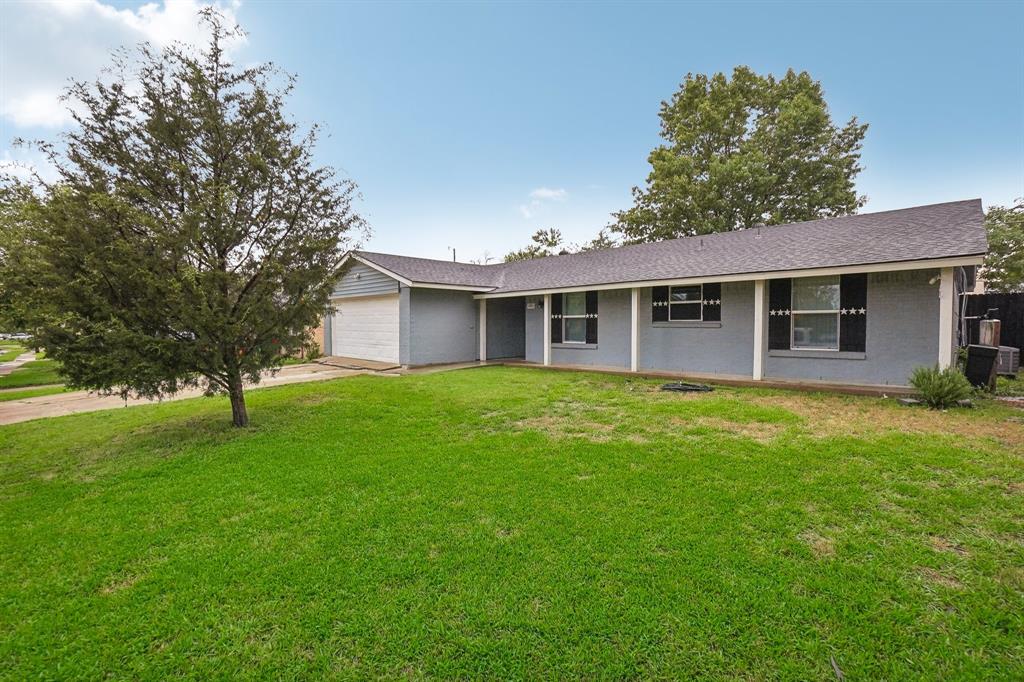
(1010, 313)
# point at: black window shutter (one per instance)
(853, 317)
(712, 307)
(659, 304)
(779, 300)
(591, 317)
(556, 318)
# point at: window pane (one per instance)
(816, 293)
(575, 304)
(684, 311)
(682, 294)
(575, 329)
(816, 331)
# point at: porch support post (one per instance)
(634, 330)
(947, 303)
(547, 329)
(483, 330)
(759, 326)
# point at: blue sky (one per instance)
(470, 125)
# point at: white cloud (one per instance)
(26, 165)
(48, 42)
(549, 194)
(538, 198)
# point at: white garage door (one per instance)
(366, 328)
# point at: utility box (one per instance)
(1008, 362)
(981, 366)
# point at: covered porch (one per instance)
(734, 331)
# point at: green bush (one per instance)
(941, 388)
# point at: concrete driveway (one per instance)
(13, 411)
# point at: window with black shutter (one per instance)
(853, 313)
(815, 313)
(659, 304)
(575, 316)
(591, 317)
(818, 313)
(556, 318)
(712, 302)
(779, 294)
(687, 303)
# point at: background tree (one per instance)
(742, 152)
(550, 243)
(190, 238)
(1004, 264)
(545, 243)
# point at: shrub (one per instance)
(941, 388)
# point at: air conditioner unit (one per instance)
(1008, 361)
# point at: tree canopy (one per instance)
(1004, 264)
(741, 152)
(190, 238)
(550, 242)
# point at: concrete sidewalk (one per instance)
(60, 404)
(11, 365)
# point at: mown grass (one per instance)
(510, 522)
(16, 394)
(10, 351)
(32, 373)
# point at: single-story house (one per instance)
(861, 299)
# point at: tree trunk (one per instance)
(239, 416)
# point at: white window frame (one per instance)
(699, 304)
(583, 316)
(794, 312)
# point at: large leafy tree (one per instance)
(741, 152)
(1004, 264)
(190, 238)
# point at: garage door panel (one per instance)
(366, 328)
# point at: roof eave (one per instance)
(886, 266)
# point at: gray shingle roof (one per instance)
(922, 233)
(429, 271)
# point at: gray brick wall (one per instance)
(442, 327)
(902, 333)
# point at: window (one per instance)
(574, 318)
(815, 313)
(685, 303)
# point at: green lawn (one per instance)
(513, 522)
(21, 394)
(10, 351)
(32, 373)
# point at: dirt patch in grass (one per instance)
(941, 544)
(821, 546)
(762, 432)
(636, 431)
(832, 416)
(934, 577)
(121, 583)
(563, 426)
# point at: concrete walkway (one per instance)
(60, 404)
(11, 365)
